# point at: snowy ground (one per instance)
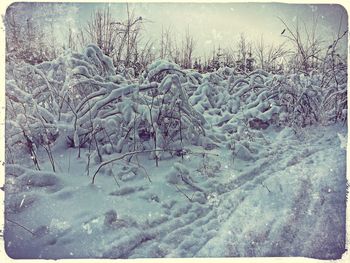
(286, 199)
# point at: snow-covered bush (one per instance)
(100, 109)
(261, 99)
(81, 97)
(28, 125)
(38, 97)
(154, 114)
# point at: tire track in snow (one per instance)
(249, 180)
(284, 244)
(188, 234)
(183, 236)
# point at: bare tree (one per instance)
(100, 30)
(166, 48)
(188, 45)
(268, 56)
(117, 39)
(146, 55)
(307, 45)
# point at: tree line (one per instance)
(123, 40)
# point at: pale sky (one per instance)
(211, 24)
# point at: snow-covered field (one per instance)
(247, 188)
(288, 202)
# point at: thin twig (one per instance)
(20, 226)
(115, 179)
(183, 193)
(265, 187)
(136, 152)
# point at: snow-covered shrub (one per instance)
(106, 111)
(29, 125)
(159, 69)
(40, 96)
(236, 101)
(304, 102)
(161, 111)
(154, 114)
(333, 82)
(262, 99)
